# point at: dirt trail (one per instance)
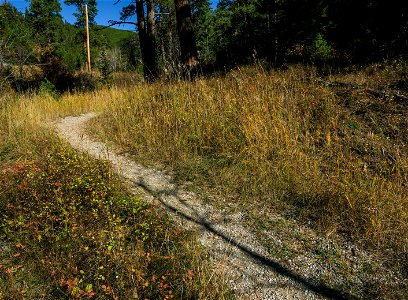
(233, 248)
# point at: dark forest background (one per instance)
(173, 37)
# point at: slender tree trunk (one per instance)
(186, 34)
(276, 38)
(141, 28)
(88, 49)
(163, 57)
(151, 40)
(147, 38)
(172, 49)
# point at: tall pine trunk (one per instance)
(147, 38)
(186, 35)
(151, 40)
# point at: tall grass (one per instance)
(277, 139)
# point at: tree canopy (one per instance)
(173, 36)
(80, 5)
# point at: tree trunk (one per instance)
(141, 28)
(186, 34)
(151, 40)
(147, 39)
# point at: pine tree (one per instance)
(46, 20)
(145, 13)
(16, 42)
(204, 25)
(80, 16)
(167, 37)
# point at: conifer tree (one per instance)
(80, 16)
(46, 20)
(203, 19)
(145, 13)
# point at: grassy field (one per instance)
(333, 157)
(69, 229)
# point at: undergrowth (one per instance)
(69, 230)
(332, 157)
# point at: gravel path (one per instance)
(251, 273)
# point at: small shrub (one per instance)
(83, 82)
(67, 220)
(47, 88)
(105, 68)
(320, 50)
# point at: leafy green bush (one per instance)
(47, 88)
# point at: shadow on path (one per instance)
(318, 288)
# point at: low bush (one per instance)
(69, 231)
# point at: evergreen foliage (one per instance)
(204, 22)
(37, 47)
(319, 30)
(80, 5)
(170, 34)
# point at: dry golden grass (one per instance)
(280, 140)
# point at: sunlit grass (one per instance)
(275, 139)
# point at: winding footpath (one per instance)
(250, 272)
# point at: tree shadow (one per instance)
(318, 288)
